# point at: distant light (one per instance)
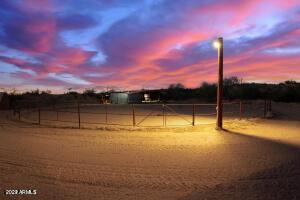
(216, 44)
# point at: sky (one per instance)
(133, 44)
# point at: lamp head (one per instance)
(216, 44)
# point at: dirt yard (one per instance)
(251, 159)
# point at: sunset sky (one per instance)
(133, 44)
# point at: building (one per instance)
(119, 97)
(131, 97)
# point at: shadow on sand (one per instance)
(280, 182)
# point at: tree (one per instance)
(231, 81)
(176, 86)
(35, 92)
(90, 92)
(176, 92)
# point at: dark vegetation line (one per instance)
(288, 91)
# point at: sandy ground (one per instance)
(251, 159)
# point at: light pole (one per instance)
(219, 45)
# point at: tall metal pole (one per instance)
(220, 86)
(193, 123)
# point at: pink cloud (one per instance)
(71, 56)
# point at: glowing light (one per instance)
(216, 44)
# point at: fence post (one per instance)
(39, 112)
(270, 105)
(133, 115)
(78, 112)
(106, 114)
(265, 108)
(241, 109)
(55, 109)
(164, 115)
(193, 115)
(56, 114)
(19, 116)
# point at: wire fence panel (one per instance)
(28, 115)
(179, 115)
(59, 117)
(93, 114)
(253, 108)
(140, 115)
(149, 115)
(119, 115)
(231, 110)
(205, 114)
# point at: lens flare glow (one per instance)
(216, 44)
